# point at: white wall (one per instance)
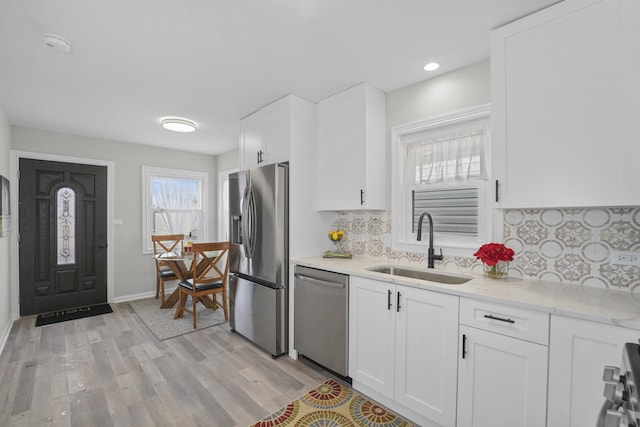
(459, 89)
(134, 272)
(229, 160)
(454, 91)
(5, 286)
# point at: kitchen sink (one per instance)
(448, 279)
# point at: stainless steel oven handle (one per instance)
(319, 282)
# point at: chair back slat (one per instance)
(211, 262)
(167, 242)
(161, 244)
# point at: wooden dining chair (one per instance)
(210, 272)
(162, 244)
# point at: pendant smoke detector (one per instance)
(57, 42)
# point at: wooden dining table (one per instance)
(182, 267)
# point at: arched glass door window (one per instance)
(66, 225)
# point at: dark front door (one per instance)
(63, 236)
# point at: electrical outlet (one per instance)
(625, 258)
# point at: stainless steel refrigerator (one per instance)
(259, 262)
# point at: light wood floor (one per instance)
(110, 370)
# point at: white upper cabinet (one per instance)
(351, 172)
(251, 140)
(265, 136)
(564, 98)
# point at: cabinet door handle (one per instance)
(492, 317)
(258, 157)
(398, 303)
(464, 346)
(388, 299)
(497, 192)
(361, 197)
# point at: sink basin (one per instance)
(421, 274)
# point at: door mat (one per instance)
(331, 404)
(72, 314)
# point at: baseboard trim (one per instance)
(142, 295)
(5, 335)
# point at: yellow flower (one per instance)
(336, 235)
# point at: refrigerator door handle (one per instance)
(243, 222)
(249, 218)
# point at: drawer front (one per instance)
(511, 321)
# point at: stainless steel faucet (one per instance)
(431, 255)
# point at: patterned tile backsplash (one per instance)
(561, 245)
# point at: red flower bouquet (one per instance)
(491, 253)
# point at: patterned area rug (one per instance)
(161, 323)
(330, 404)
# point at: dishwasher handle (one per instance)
(319, 282)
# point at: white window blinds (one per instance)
(456, 157)
(454, 210)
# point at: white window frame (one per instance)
(403, 239)
(147, 212)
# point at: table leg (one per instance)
(180, 270)
(172, 299)
(208, 302)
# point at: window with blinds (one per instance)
(454, 210)
(440, 166)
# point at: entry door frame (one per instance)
(14, 162)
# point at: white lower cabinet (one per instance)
(441, 360)
(579, 351)
(502, 380)
(371, 334)
(402, 348)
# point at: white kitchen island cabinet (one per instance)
(265, 136)
(351, 164)
(502, 367)
(564, 106)
(579, 351)
(402, 348)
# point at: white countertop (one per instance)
(614, 307)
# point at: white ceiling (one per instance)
(216, 61)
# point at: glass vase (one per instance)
(498, 271)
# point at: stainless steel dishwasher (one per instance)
(321, 317)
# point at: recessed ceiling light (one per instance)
(177, 124)
(431, 66)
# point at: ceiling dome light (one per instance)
(431, 66)
(57, 42)
(178, 125)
